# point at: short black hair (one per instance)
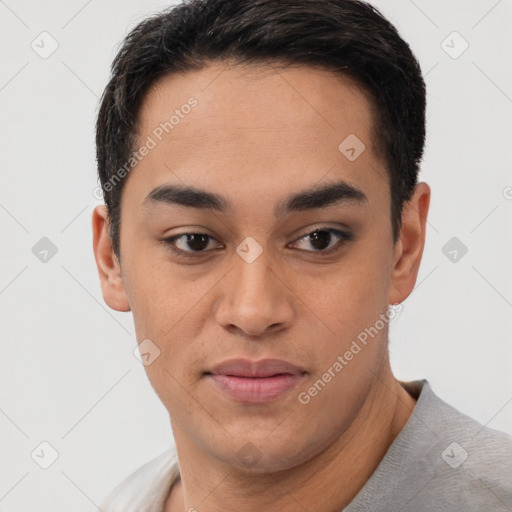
(349, 37)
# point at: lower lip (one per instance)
(256, 390)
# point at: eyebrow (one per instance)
(314, 198)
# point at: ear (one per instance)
(409, 248)
(108, 265)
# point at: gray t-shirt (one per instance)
(442, 460)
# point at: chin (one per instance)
(263, 455)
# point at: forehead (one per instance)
(254, 125)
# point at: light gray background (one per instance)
(69, 376)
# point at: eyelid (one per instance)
(345, 231)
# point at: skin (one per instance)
(256, 136)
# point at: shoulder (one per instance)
(481, 443)
(441, 460)
(146, 489)
(466, 465)
(477, 460)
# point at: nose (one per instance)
(256, 300)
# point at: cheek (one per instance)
(159, 295)
(348, 316)
(350, 349)
(356, 293)
(170, 307)
(349, 325)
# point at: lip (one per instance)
(255, 381)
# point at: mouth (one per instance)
(255, 381)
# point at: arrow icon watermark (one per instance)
(146, 352)
(249, 250)
(352, 147)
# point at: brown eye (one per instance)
(186, 244)
(323, 240)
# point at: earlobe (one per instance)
(409, 249)
(109, 270)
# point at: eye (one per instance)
(324, 240)
(189, 245)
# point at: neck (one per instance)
(329, 481)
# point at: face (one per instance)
(292, 259)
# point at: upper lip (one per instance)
(262, 368)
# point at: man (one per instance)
(264, 223)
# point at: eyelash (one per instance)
(343, 235)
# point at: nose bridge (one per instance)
(254, 298)
(253, 281)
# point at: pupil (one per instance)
(197, 242)
(320, 239)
